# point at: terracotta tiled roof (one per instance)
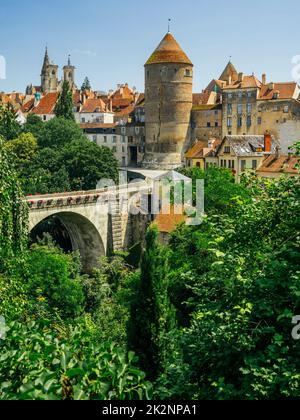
(169, 51)
(93, 105)
(126, 111)
(196, 150)
(248, 82)
(167, 223)
(46, 104)
(201, 98)
(28, 106)
(285, 90)
(280, 164)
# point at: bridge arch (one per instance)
(83, 234)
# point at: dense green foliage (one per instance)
(55, 156)
(53, 349)
(64, 106)
(41, 362)
(86, 85)
(208, 316)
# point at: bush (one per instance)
(38, 362)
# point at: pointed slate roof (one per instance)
(229, 71)
(169, 51)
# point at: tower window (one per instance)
(188, 73)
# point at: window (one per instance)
(249, 109)
(249, 94)
(240, 95)
(208, 124)
(286, 109)
(123, 130)
(229, 109)
(254, 164)
(123, 161)
(227, 150)
(249, 122)
(259, 120)
(198, 164)
(95, 138)
(83, 120)
(216, 124)
(188, 73)
(105, 139)
(130, 139)
(222, 163)
(216, 112)
(44, 117)
(114, 149)
(240, 122)
(123, 149)
(243, 165)
(232, 164)
(114, 139)
(229, 164)
(240, 109)
(229, 122)
(229, 96)
(123, 139)
(137, 130)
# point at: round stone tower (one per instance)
(168, 105)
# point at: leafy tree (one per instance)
(24, 148)
(86, 163)
(51, 276)
(34, 125)
(13, 211)
(86, 85)
(242, 272)
(9, 126)
(59, 132)
(41, 362)
(152, 315)
(64, 106)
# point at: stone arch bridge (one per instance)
(98, 222)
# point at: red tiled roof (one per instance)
(248, 82)
(28, 106)
(167, 223)
(196, 150)
(201, 98)
(282, 164)
(93, 105)
(46, 104)
(285, 90)
(169, 51)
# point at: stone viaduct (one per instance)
(98, 222)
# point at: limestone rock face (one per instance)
(168, 105)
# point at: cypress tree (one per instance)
(86, 85)
(64, 106)
(152, 315)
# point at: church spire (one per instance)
(46, 59)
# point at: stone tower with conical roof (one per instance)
(49, 75)
(168, 105)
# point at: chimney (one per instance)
(268, 142)
(264, 79)
(241, 77)
(271, 86)
(111, 105)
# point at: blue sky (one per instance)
(110, 40)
